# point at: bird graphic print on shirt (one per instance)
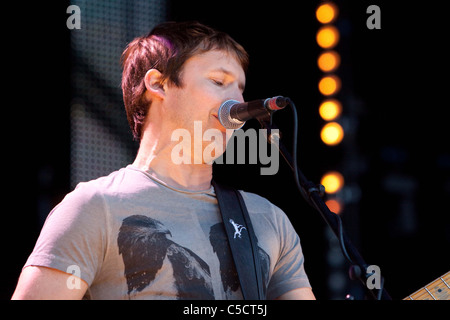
(145, 245)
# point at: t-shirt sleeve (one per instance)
(276, 232)
(74, 235)
(289, 272)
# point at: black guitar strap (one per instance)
(242, 240)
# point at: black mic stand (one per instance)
(313, 193)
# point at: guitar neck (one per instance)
(439, 289)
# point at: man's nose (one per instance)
(237, 95)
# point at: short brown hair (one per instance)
(166, 48)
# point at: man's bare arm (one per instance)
(41, 283)
(298, 294)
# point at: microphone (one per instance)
(233, 114)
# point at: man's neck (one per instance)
(154, 156)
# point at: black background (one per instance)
(399, 74)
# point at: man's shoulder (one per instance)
(254, 199)
(263, 211)
(115, 183)
(257, 204)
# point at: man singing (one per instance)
(153, 229)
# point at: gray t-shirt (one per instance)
(130, 236)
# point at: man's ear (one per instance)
(154, 84)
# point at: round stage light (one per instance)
(326, 12)
(332, 133)
(333, 181)
(328, 61)
(330, 109)
(334, 205)
(327, 37)
(329, 85)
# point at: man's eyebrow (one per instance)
(228, 72)
(222, 69)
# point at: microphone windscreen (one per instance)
(225, 118)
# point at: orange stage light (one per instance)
(329, 85)
(330, 109)
(328, 61)
(327, 12)
(334, 205)
(327, 37)
(332, 133)
(333, 181)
